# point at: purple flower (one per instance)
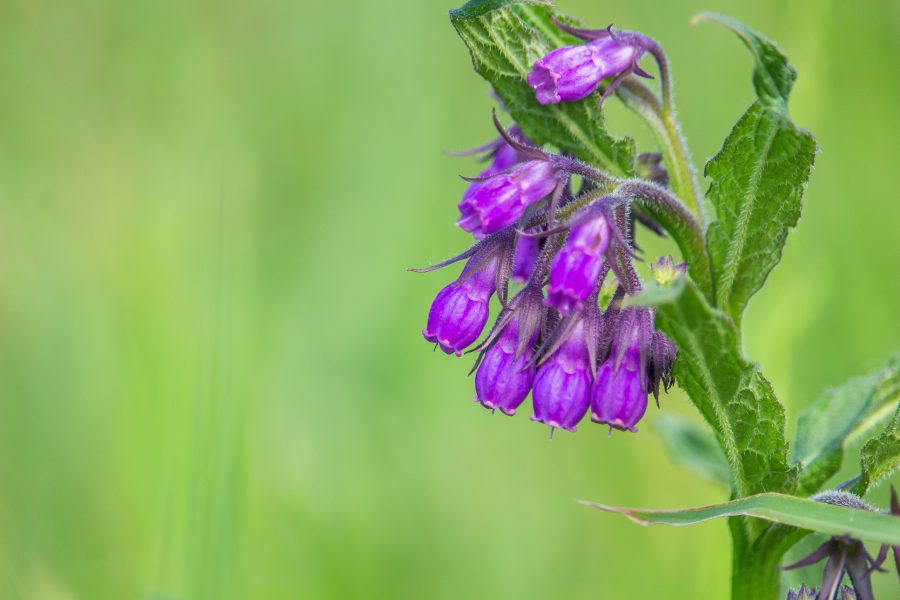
(562, 385)
(573, 72)
(504, 376)
(528, 250)
(639, 359)
(575, 269)
(460, 310)
(501, 200)
(619, 396)
(503, 157)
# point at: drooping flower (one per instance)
(639, 359)
(500, 200)
(563, 383)
(460, 310)
(573, 72)
(502, 157)
(506, 367)
(567, 366)
(576, 268)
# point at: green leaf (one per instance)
(505, 38)
(694, 448)
(807, 514)
(839, 417)
(880, 456)
(757, 181)
(730, 392)
(773, 76)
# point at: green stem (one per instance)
(662, 122)
(754, 573)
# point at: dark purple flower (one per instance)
(506, 363)
(563, 382)
(502, 156)
(573, 72)
(504, 378)
(575, 269)
(501, 200)
(619, 396)
(528, 250)
(460, 310)
(639, 359)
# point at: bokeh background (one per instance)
(212, 381)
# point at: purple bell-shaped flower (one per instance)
(573, 72)
(500, 200)
(460, 310)
(575, 269)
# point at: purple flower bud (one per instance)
(572, 72)
(460, 310)
(619, 395)
(503, 378)
(575, 269)
(562, 385)
(528, 251)
(502, 199)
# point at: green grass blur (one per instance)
(212, 382)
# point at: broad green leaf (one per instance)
(757, 181)
(807, 514)
(694, 448)
(839, 417)
(730, 392)
(505, 38)
(880, 456)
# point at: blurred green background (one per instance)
(212, 381)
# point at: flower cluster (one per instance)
(555, 337)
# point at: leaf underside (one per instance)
(779, 508)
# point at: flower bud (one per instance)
(562, 384)
(501, 200)
(503, 378)
(575, 269)
(460, 310)
(619, 395)
(573, 72)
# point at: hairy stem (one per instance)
(662, 122)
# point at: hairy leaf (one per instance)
(757, 181)
(840, 416)
(880, 456)
(694, 448)
(789, 510)
(730, 392)
(505, 38)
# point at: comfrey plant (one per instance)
(556, 215)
